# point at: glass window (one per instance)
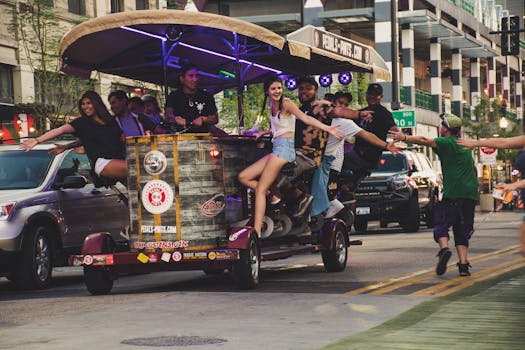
(23, 170)
(391, 163)
(77, 7)
(74, 164)
(6, 84)
(141, 4)
(117, 6)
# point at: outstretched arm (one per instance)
(27, 144)
(376, 141)
(419, 140)
(496, 142)
(290, 107)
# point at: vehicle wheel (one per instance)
(411, 224)
(35, 267)
(246, 269)
(431, 211)
(360, 224)
(335, 260)
(98, 280)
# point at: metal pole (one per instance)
(395, 104)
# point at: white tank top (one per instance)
(282, 125)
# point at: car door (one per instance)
(87, 210)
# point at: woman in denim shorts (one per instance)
(260, 175)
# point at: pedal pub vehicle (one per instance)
(187, 209)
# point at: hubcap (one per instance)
(254, 261)
(42, 258)
(340, 250)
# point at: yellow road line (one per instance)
(469, 282)
(401, 281)
(434, 290)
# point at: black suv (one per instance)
(403, 189)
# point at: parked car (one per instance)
(403, 189)
(48, 206)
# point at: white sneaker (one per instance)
(334, 208)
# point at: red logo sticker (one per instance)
(213, 206)
(88, 260)
(176, 256)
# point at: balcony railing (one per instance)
(424, 100)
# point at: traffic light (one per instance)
(510, 41)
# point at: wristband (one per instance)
(406, 138)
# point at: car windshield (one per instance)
(23, 170)
(389, 163)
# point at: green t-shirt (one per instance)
(459, 172)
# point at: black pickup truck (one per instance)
(403, 189)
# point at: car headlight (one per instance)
(399, 183)
(7, 208)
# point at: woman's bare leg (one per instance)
(268, 176)
(248, 177)
(115, 169)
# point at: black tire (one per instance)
(335, 260)
(98, 280)
(411, 224)
(35, 266)
(360, 224)
(246, 270)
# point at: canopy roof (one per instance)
(151, 46)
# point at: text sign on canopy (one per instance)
(341, 46)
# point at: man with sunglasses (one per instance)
(190, 106)
(365, 156)
(460, 185)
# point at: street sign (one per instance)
(405, 119)
(488, 155)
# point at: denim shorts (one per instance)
(284, 147)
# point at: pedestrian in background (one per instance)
(503, 143)
(460, 185)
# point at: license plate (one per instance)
(362, 210)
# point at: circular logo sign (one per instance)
(88, 260)
(155, 162)
(213, 206)
(157, 196)
(176, 256)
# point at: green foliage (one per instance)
(38, 31)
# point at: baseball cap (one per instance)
(149, 98)
(451, 121)
(346, 95)
(374, 89)
(309, 80)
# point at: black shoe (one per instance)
(303, 205)
(444, 255)
(463, 269)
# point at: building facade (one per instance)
(441, 52)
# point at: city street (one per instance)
(297, 305)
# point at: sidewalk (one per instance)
(488, 315)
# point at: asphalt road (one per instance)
(297, 305)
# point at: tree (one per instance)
(38, 29)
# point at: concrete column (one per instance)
(519, 91)
(435, 74)
(311, 10)
(506, 82)
(457, 89)
(383, 39)
(23, 84)
(409, 75)
(475, 94)
(491, 75)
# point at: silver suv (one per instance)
(48, 206)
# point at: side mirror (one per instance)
(73, 181)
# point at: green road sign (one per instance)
(404, 119)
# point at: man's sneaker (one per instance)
(443, 255)
(463, 269)
(303, 205)
(334, 208)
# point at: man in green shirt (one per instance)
(460, 185)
